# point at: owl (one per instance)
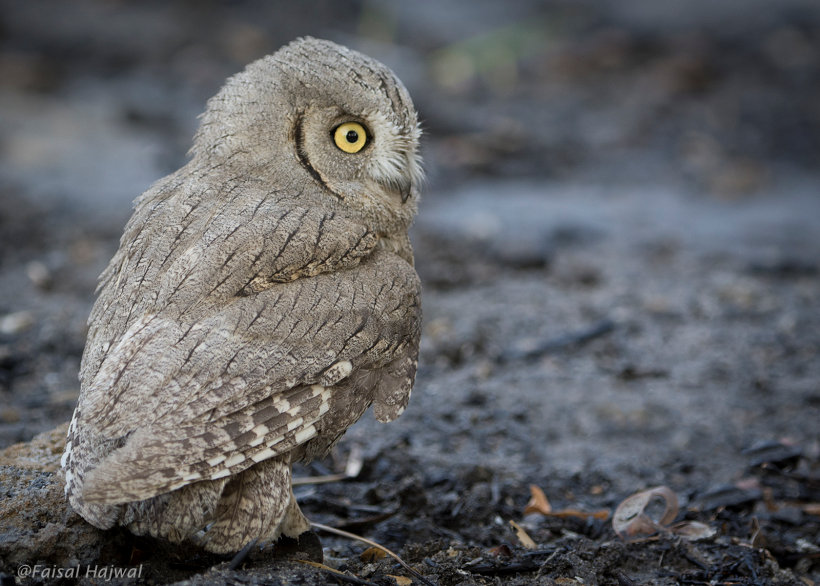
(262, 298)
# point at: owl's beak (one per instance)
(404, 190)
(401, 186)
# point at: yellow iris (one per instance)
(350, 137)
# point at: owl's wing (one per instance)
(179, 253)
(248, 380)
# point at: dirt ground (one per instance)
(619, 244)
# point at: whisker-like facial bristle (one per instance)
(396, 161)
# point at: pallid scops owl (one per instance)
(262, 297)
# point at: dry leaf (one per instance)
(500, 551)
(631, 521)
(372, 554)
(692, 530)
(538, 502)
(401, 580)
(812, 508)
(523, 538)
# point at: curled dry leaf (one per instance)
(538, 502)
(631, 520)
(522, 535)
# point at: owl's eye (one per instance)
(350, 137)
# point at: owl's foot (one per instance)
(297, 541)
(294, 523)
(305, 547)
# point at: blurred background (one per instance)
(619, 244)
(100, 96)
(551, 127)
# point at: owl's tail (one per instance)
(79, 456)
(257, 504)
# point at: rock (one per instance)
(39, 530)
(36, 524)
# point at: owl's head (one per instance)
(325, 123)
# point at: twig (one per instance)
(329, 529)
(243, 553)
(338, 575)
(319, 479)
(561, 342)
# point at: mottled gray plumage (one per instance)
(263, 296)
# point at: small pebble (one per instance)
(14, 323)
(38, 273)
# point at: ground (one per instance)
(619, 244)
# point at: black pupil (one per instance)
(352, 136)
